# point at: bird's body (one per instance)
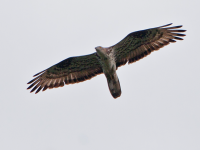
(108, 63)
(133, 47)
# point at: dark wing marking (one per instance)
(138, 44)
(69, 71)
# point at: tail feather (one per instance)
(114, 86)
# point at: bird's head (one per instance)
(101, 51)
(99, 48)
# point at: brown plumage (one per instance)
(133, 47)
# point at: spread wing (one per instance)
(138, 44)
(69, 71)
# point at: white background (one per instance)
(159, 108)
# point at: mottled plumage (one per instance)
(133, 47)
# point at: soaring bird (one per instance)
(133, 47)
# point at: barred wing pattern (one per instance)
(69, 71)
(139, 44)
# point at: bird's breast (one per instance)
(108, 66)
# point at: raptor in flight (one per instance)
(133, 47)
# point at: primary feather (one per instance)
(133, 47)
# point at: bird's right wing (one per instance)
(69, 71)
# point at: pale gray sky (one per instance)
(159, 108)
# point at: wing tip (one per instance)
(39, 73)
(166, 25)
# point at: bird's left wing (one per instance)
(69, 71)
(138, 44)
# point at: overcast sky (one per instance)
(159, 108)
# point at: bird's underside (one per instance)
(133, 47)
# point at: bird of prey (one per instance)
(133, 47)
